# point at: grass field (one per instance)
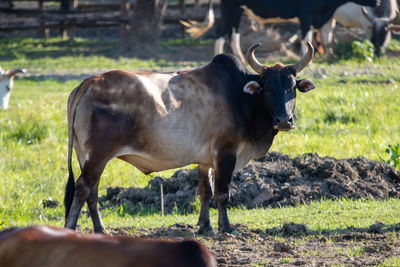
(354, 111)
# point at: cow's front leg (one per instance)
(205, 175)
(223, 175)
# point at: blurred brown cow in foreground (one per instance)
(45, 246)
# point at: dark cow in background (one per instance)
(45, 246)
(6, 85)
(310, 14)
(219, 116)
(376, 22)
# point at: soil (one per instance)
(351, 247)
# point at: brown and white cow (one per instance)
(45, 246)
(6, 85)
(219, 116)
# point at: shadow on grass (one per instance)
(29, 48)
(293, 229)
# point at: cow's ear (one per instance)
(305, 85)
(252, 87)
(394, 28)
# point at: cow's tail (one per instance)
(73, 101)
(197, 29)
(70, 187)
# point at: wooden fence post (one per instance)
(162, 199)
(65, 6)
(43, 30)
(124, 27)
(182, 12)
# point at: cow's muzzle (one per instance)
(286, 125)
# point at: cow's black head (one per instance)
(381, 30)
(278, 86)
(372, 3)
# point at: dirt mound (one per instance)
(273, 181)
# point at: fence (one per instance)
(84, 15)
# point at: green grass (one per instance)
(354, 111)
(393, 261)
(59, 56)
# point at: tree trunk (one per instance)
(143, 36)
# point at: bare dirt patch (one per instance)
(357, 247)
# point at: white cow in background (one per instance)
(376, 22)
(6, 85)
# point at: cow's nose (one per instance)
(284, 125)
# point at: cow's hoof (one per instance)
(101, 231)
(206, 231)
(229, 229)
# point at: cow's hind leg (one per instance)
(94, 210)
(223, 176)
(86, 190)
(205, 198)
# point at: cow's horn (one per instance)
(395, 17)
(366, 15)
(302, 63)
(13, 72)
(251, 58)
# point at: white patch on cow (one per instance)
(6, 85)
(211, 179)
(155, 85)
(53, 232)
(87, 157)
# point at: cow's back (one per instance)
(42, 246)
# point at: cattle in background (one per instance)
(45, 246)
(219, 116)
(376, 22)
(310, 14)
(6, 85)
